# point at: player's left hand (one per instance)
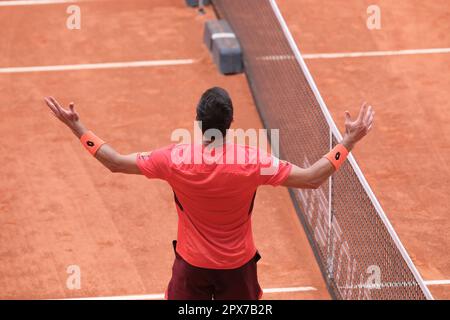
(67, 116)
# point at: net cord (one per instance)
(351, 159)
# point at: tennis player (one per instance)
(215, 256)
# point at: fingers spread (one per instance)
(368, 115)
(372, 116)
(362, 112)
(74, 115)
(348, 116)
(52, 107)
(370, 121)
(56, 103)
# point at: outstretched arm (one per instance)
(106, 154)
(319, 172)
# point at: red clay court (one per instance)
(137, 66)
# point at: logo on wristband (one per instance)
(337, 156)
(90, 143)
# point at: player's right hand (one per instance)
(355, 130)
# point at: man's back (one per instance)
(214, 190)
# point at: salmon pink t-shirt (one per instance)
(214, 191)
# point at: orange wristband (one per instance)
(337, 156)
(91, 142)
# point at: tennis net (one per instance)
(358, 251)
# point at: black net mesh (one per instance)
(357, 254)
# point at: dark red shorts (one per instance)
(193, 283)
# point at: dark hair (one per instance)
(215, 110)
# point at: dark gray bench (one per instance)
(221, 41)
(194, 3)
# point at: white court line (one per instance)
(276, 57)
(355, 54)
(161, 296)
(436, 282)
(292, 289)
(90, 66)
(33, 2)
(131, 297)
(374, 53)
